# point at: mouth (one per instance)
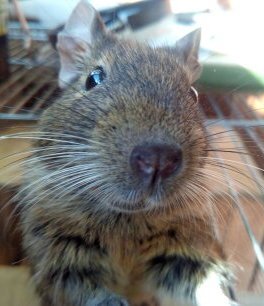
(146, 199)
(135, 208)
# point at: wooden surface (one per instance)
(16, 288)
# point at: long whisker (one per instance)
(56, 159)
(29, 136)
(36, 182)
(255, 244)
(232, 161)
(215, 122)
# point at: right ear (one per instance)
(80, 32)
(188, 48)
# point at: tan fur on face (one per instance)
(137, 103)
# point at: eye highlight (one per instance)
(193, 93)
(95, 78)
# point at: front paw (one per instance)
(114, 301)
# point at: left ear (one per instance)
(188, 49)
(80, 34)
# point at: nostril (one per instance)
(143, 160)
(145, 165)
(151, 162)
(170, 161)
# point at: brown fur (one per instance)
(125, 243)
(99, 241)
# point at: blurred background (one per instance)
(231, 91)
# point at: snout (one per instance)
(153, 163)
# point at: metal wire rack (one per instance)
(32, 82)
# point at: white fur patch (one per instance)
(210, 293)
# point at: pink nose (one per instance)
(152, 162)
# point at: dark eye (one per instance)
(96, 77)
(193, 93)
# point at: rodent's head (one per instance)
(134, 112)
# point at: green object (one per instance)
(221, 74)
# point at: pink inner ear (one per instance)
(81, 21)
(188, 49)
(71, 50)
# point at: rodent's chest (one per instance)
(129, 240)
(134, 248)
(137, 239)
(126, 235)
(125, 245)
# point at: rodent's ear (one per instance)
(188, 48)
(80, 32)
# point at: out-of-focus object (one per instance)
(231, 40)
(225, 4)
(147, 13)
(187, 6)
(233, 33)
(4, 67)
(52, 14)
(185, 10)
(49, 13)
(118, 16)
(23, 23)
